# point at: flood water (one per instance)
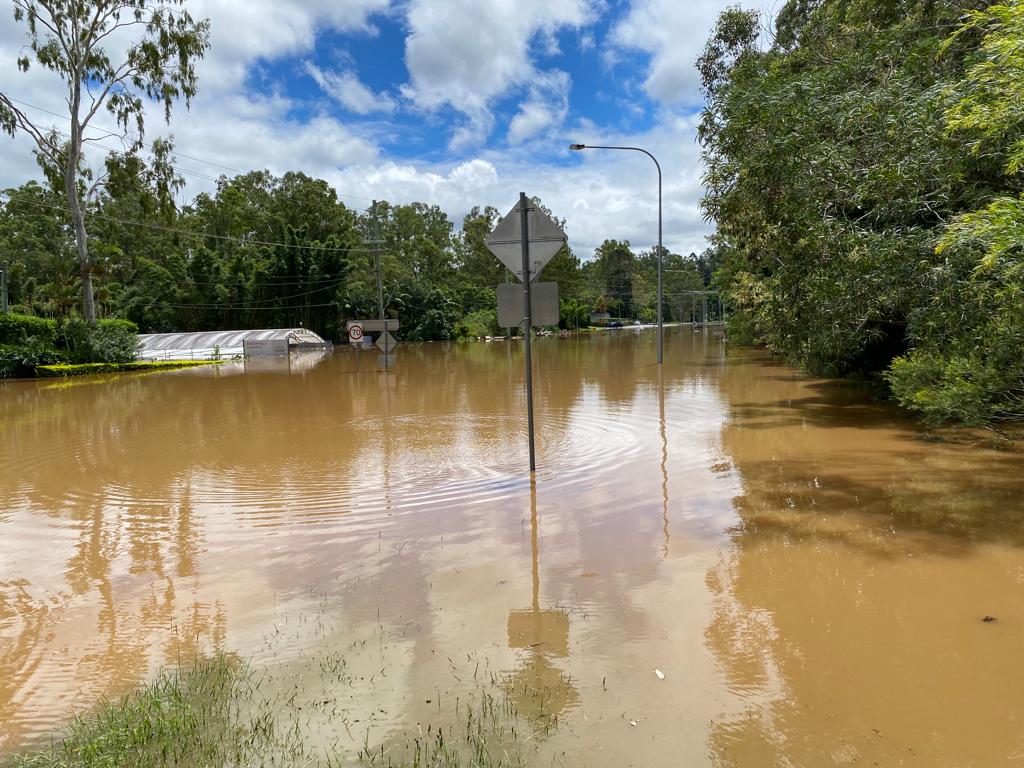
(809, 575)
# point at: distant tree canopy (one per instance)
(268, 251)
(864, 172)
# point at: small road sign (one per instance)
(375, 326)
(386, 343)
(543, 303)
(546, 239)
(355, 333)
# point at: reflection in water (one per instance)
(818, 600)
(539, 689)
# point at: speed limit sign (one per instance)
(355, 333)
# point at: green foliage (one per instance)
(21, 360)
(988, 104)
(482, 322)
(573, 314)
(438, 318)
(109, 341)
(997, 229)
(18, 329)
(969, 390)
(852, 227)
(968, 365)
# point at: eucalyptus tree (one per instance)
(116, 56)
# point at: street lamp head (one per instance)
(577, 147)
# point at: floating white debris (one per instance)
(660, 674)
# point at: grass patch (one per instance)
(489, 736)
(187, 718)
(219, 714)
(82, 369)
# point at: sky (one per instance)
(455, 103)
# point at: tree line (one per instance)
(863, 166)
(265, 251)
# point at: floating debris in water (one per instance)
(660, 674)
(989, 619)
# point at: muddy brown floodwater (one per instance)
(807, 573)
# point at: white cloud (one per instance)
(465, 54)
(607, 194)
(673, 33)
(243, 31)
(350, 92)
(545, 108)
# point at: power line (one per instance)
(170, 305)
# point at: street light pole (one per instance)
(661, 255)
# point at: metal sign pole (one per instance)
(528, 330)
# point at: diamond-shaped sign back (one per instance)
(506, 241)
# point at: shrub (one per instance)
(20, 360)
(117, 322)
(109, 341)
(18, 329)
(959, 389)
(113, 343)
(483, 322)
(439, 318)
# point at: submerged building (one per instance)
(204, 345)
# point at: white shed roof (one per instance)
(177, 346)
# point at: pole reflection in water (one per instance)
(540, 690)
(826, 579)
(664, 453)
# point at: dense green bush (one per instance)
(439, 318)
(27, 342)
(18, 329)
(573, 313)
(109, 341)
(966, 389)
(113, 342)
(20, 360)
(483, 322)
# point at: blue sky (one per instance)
(455, 103)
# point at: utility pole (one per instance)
(3, 287)
(376, 258)
(380, 280)
(528, 330)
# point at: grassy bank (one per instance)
(215, 714)
(82, 369)
(187, 718)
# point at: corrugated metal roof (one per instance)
(203, 344)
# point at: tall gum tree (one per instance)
(82, 41)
